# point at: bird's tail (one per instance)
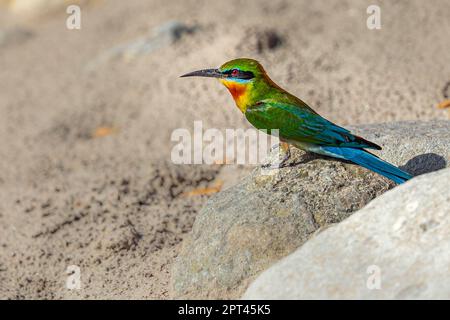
(369, 161)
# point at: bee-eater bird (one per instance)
(268, 107)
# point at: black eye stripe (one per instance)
(244, 75)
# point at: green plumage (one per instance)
(297, 123)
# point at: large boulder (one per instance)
(246, 228)
(397, 247)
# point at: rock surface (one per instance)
(397, 247)
(243, 230)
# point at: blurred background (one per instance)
(86, 118)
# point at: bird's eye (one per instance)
(234, 72)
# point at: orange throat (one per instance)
(239, 93)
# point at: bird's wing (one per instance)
(296, 123)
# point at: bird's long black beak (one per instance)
(210, 73)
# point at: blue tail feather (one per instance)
(369, 161)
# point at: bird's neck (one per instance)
(246, 94)
(240, 93)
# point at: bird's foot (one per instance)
(284, 154)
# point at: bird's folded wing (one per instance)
(300, 124)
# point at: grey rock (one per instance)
(159, 37)
(243, 230)
(397, 247)
(14, 36)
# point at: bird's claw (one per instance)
(275, 147)
(282, 163)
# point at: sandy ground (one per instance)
(85, 171)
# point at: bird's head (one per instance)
(240, 76)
